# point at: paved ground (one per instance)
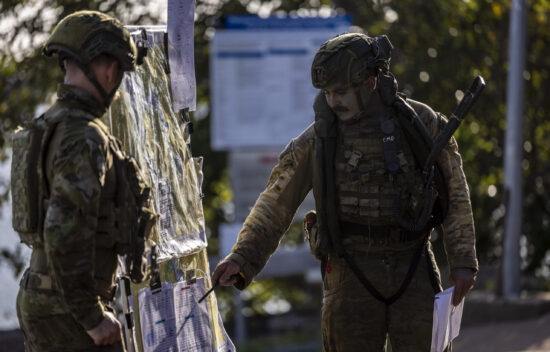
(531, 335)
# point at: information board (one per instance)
(250, 170)
(260, 78)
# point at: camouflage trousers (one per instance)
(353, 320)
(47, 326)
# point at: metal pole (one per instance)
(514, 149)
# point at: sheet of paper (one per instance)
(156, 313)
(446, 320)
(192, 319)
(227, 345)
(173, 320)
(181, 16)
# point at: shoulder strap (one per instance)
(326, 132)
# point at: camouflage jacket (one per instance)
(292, 179)
(79, 171)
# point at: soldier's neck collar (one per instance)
(79, 98)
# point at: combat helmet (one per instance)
(349, 58)
(84, 35)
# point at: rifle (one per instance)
(455, 120)
(430, 192)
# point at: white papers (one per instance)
(192, 320)
(446, 320)
(173, 320)
(181, 17)
(157, 318)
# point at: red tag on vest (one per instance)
(329, 268)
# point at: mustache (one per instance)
(340, 108)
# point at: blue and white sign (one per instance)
(261, 88)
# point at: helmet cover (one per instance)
(349, 59)
(84, 35)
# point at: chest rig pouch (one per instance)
(27, 181)
(134, 215)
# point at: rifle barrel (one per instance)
(471, 95)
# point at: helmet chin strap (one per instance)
(107, 97)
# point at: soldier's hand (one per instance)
(107, 332)
(226, 272)
(462, 279)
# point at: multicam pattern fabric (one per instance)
(289, 183)
(408, 320)
(347, 58)
(79, 258)
(365, 189)
(291, 180)
(24, 184)
(48, 327)
(87, 34)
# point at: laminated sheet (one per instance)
(143, 119)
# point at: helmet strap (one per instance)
(107, 97)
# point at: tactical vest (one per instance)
(365, 187)
(128, 218)
(363, 166)
(365, 172)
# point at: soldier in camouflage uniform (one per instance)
(63, 302)
(372, 183)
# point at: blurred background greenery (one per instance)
(440, 45)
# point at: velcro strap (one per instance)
(36, 281)
(378, 232)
